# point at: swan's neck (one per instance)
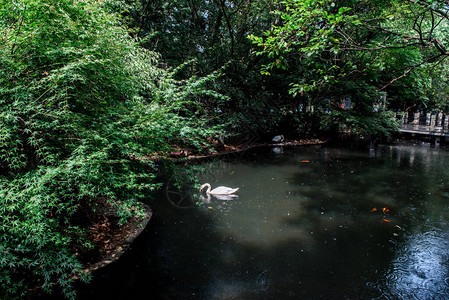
(208, 188)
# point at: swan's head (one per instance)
(203, 186)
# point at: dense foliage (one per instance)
(83, 109)
(393, 47)
(215, 34)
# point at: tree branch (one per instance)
(411, 68)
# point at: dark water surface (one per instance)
(309, 223)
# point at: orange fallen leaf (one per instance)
(305, 161)
(374, 209)
(385, 209)
(385, 220)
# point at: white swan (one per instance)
(221, 190)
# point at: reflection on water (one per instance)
(308, 223)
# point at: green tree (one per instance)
(83, 110)
(392, 46)
(214, 33)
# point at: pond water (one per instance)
(308, 223)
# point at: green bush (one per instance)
(83, 109)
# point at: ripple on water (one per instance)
(421, 268)
(374, 289)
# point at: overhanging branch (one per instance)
(411, 68)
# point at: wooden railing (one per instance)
(424, 123)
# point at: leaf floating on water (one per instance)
(398, 226)
(305, 161)
(210, 207)
(385, 220)
(374, 209)
(385, 209)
